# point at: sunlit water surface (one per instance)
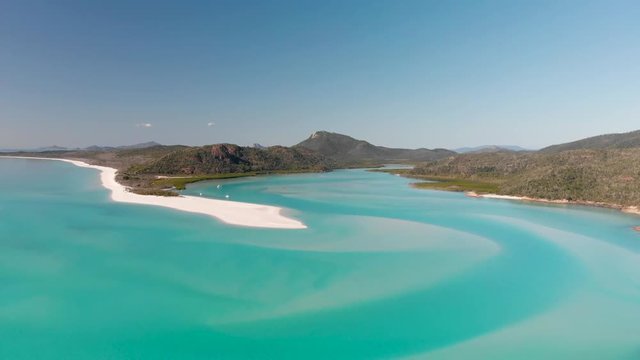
(383, 271)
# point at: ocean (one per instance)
(382, 271)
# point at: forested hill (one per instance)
(609, 176)
(230, 158)
(608, 141)
(344, 149)
(157, 169)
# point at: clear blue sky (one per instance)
(397, 73)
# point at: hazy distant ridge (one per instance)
(88, 148)
(489, 148)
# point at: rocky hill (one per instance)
(230, 158)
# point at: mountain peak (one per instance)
(323, 133)
(344, 148)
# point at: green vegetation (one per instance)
(155, 169)
(159, 170)
(458, 185)
(232, 159)
(180, 183)
(155, 192)
(349, 152)
(603, 169)
(609, 176)
(444, 183)
(608, 141)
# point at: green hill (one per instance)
(230, 158)
(155, 169)
(609, 176)
(346, 150)
(608, 141)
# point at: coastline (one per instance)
(229, 212)
(625, 209)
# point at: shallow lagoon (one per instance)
(383, 270)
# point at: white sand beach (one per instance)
(230, 212)
(635, 210)
(503, 197)
(473, 194)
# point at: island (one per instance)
(601, 171)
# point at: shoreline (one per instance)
(635, 210)
(229, 212)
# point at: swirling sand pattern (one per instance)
(383, 271)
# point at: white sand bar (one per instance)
(502, 197)
(230, 212)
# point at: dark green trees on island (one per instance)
(230, 158)
(602, 169)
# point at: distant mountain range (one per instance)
(125, 147)
(344, 150)
(89, 148)
(489, 148)
(608, 141)
(40, 149)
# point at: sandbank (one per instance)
(230, 212)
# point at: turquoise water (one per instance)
(383, 271)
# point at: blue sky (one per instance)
(396, 73)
